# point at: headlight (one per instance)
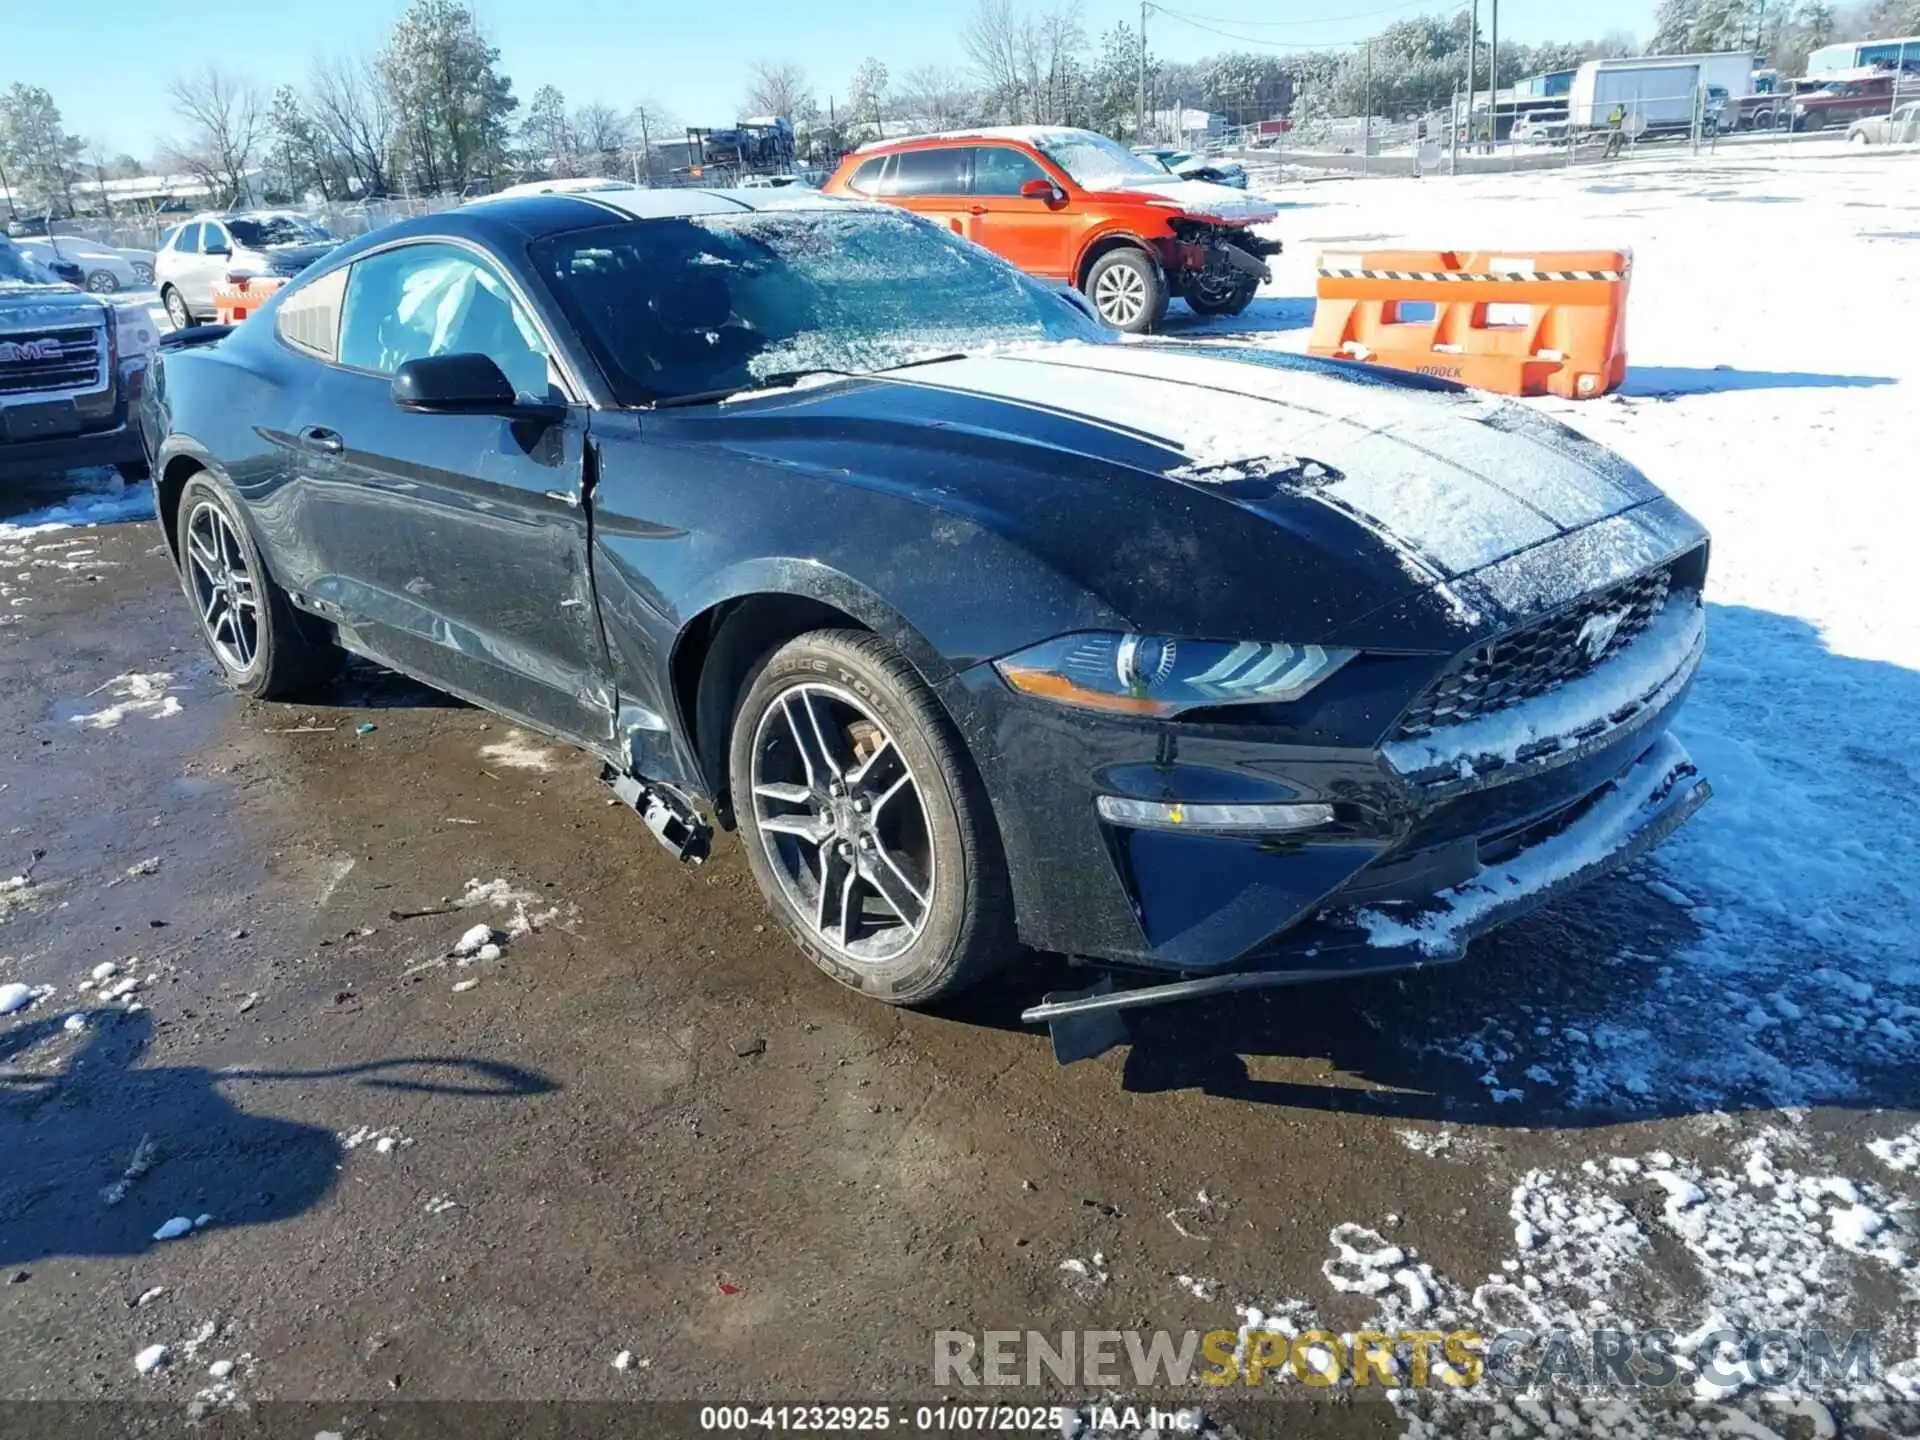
(1153, 675)
(134, 331)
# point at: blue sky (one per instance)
(108, 62)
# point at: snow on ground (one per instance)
(145, 695)
(1774, 392)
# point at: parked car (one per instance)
(1188, 166)
(1902, 127)
(1541, 127)
(1075, 208)
(809, 518)
(104, 269)
(198, 255)
(71, 367)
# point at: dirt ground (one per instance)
(648, 1127)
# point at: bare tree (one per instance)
(935, 97)
(352, 114)
(992, 39)
(601, 136)
(775, 89)
(226, 122)
(1049, 46)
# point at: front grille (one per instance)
(79, 365)
(1536, 658)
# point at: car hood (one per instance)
(1225, 489)
(24, 306)
(1202, 199)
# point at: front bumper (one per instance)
(117, 442)
(1628, 816)
(1403, 844)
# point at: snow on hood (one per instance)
(1455, 481)
(57, 303)
(1203, 199)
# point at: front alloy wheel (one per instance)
(842, 821)
(864, 822)
(103, 282)
(177, 311)
(1127, 291)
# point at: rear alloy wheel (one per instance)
(864, 823)
(257, 638)
(103, 282)
(177, 311)
(1127, 291)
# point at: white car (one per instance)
(199, 254)
(1543, 127)
(107, 268)
(1189, 166)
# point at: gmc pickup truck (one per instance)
(71, 369)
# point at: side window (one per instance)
(866, 180)
(189, 242)
(167, 239)
(428, 299)
(1002, 170)
(309, 319)
(214, 240)
(930, 172)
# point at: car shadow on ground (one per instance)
(1629, 1000)
(102, 1151)
(1267, 315)
(363, 685)
(1665, 381)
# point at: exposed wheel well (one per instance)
(1106, 245)
(711, 662)
(167, 486)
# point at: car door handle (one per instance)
(321, 441)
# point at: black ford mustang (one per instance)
(1219, 667)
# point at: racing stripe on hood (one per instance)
(1458, 480)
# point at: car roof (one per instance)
(637, 204)
(1035, 135)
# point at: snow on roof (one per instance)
(1029, 134)
(570, 186)
(679, 204)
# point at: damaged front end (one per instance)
(1210, 258)
(1531, 765)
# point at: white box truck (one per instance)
(1658, 93)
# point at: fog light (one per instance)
(1175, 815)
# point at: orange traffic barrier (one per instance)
(1544, 323)
(235, 298)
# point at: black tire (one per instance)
(966, 930)
(1127, 291)
(284, 657)
(178, 311)
(1232, 302)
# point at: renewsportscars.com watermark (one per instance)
(1725, 1360)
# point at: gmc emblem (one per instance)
(28, 350)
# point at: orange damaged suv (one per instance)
(1079, 209)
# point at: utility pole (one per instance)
(646, 146)
(1366, 121)
(1493, 80)
(1473, 72)
(1140, 134)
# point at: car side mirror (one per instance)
(1040, 190)
(468, 384)
(218, 250)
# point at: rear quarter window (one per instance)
(309, 319)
